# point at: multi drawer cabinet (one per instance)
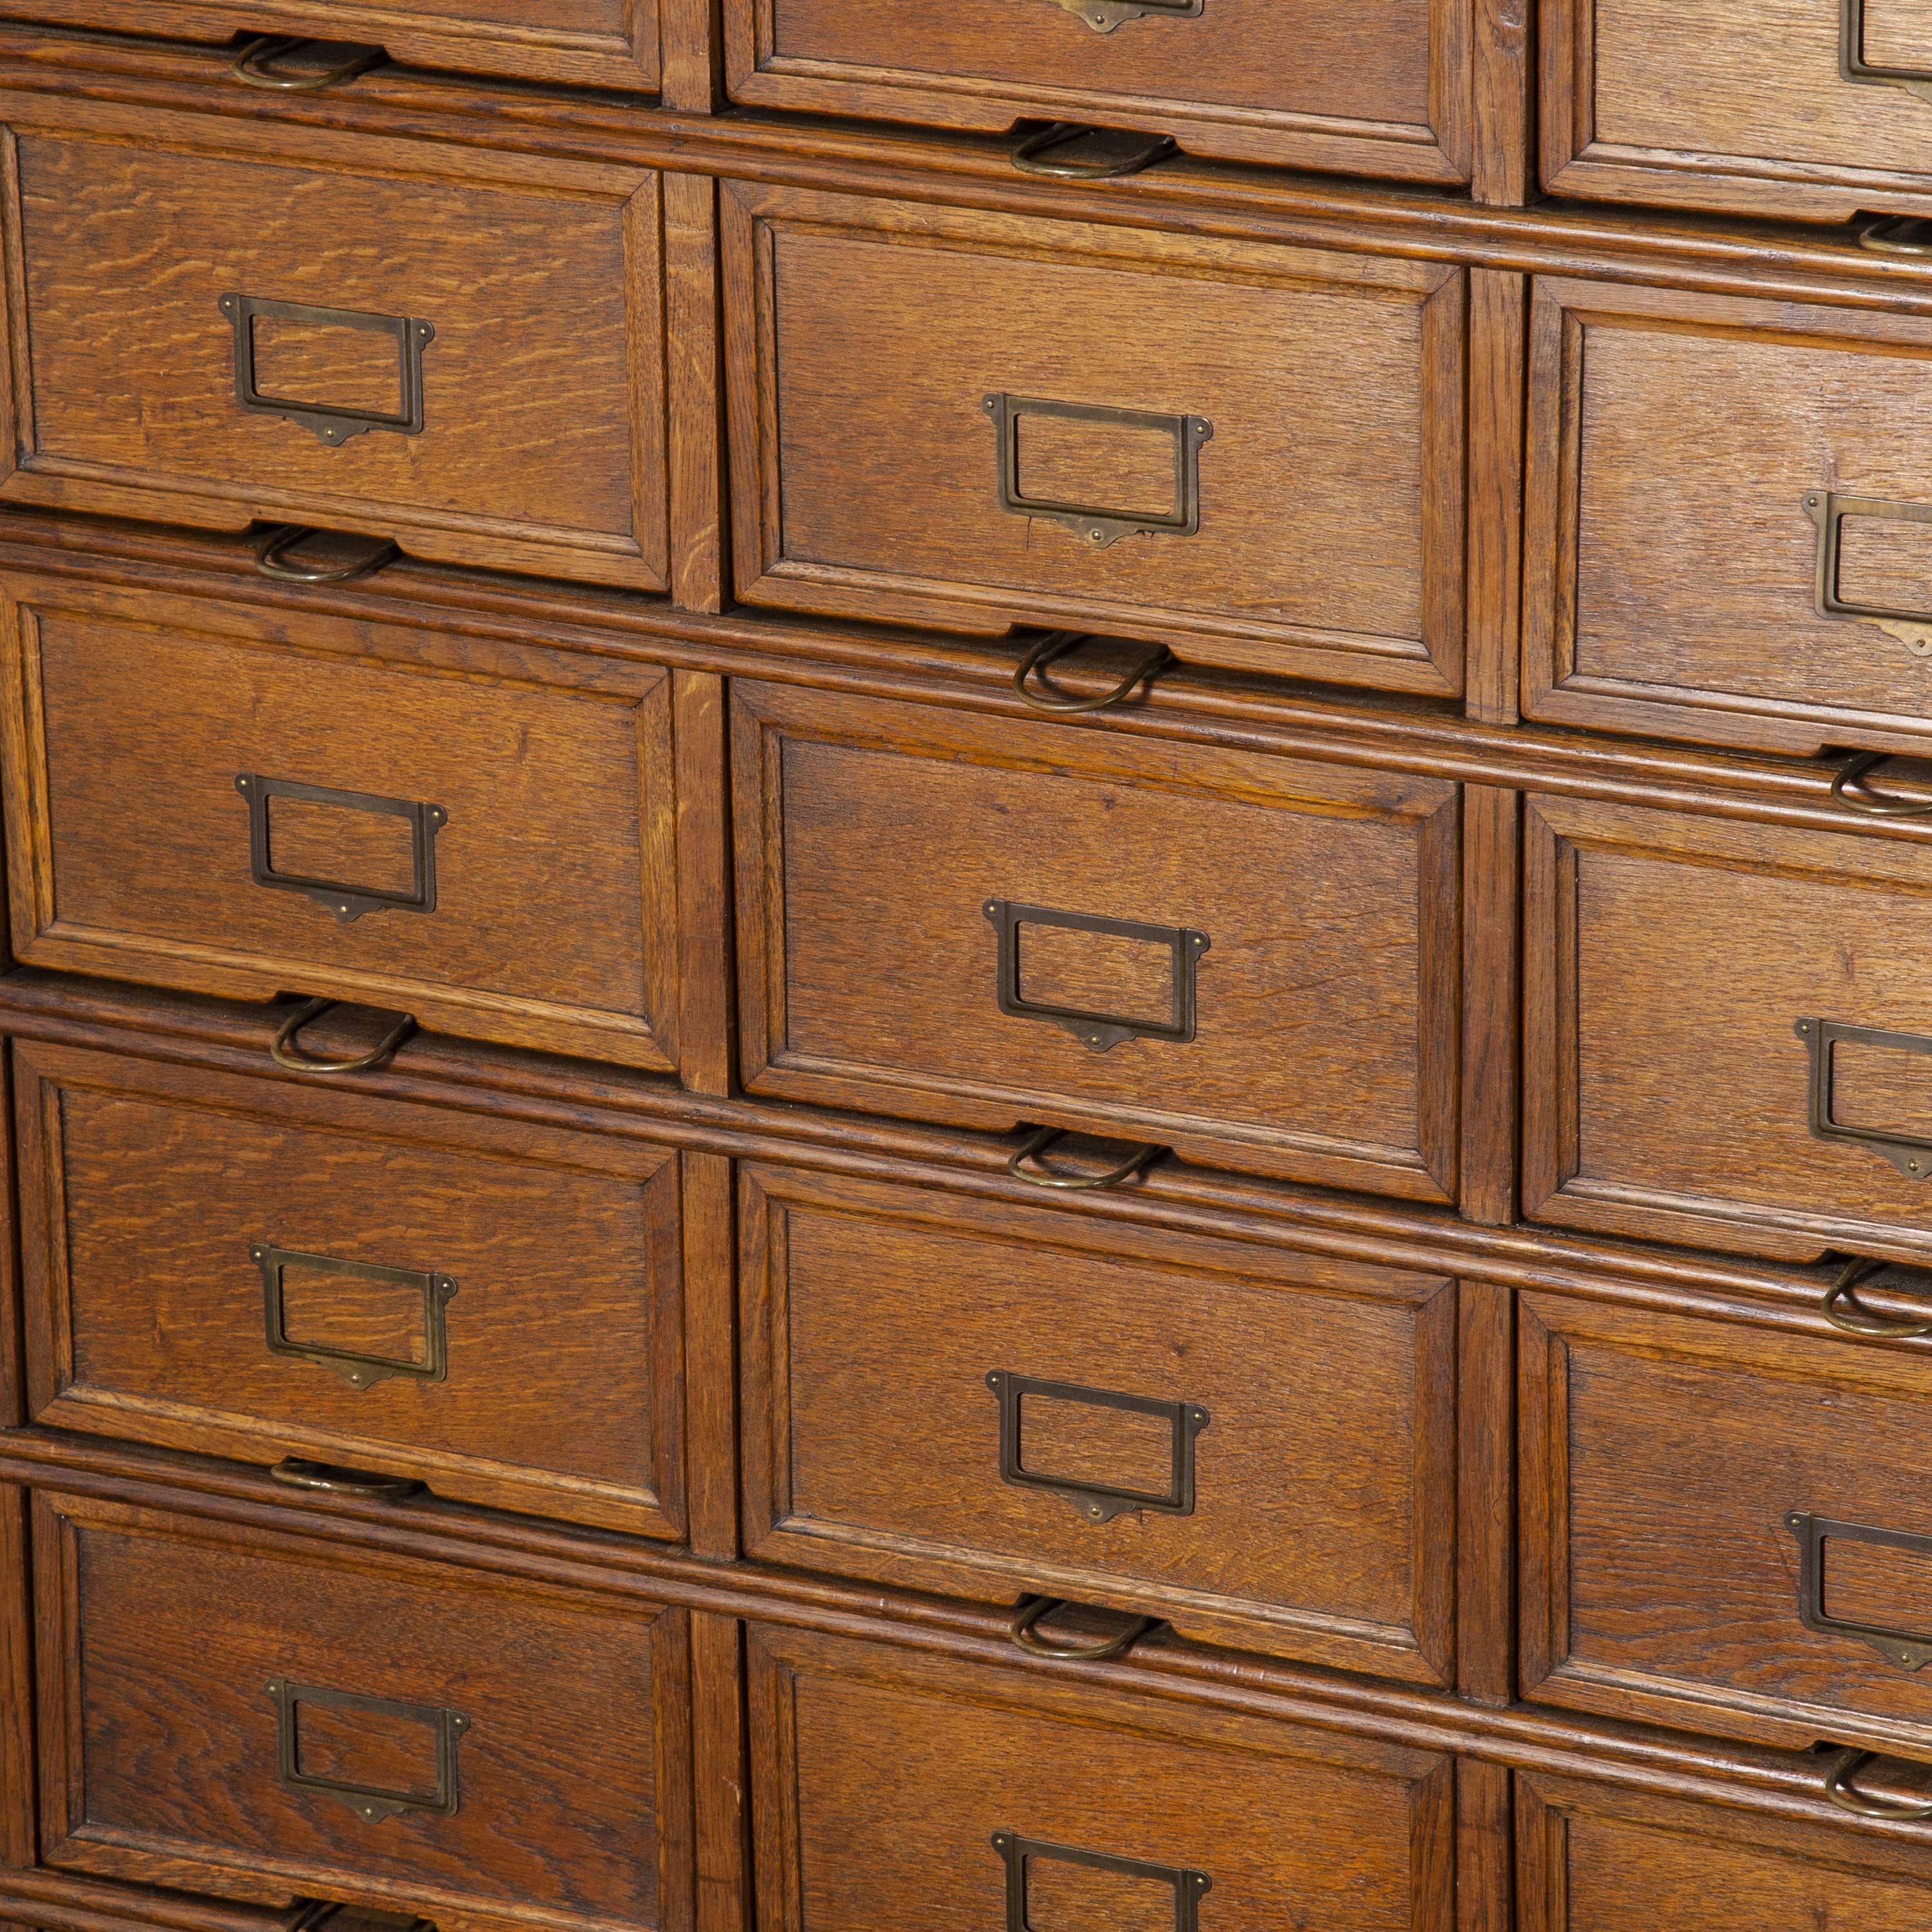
(965, 967)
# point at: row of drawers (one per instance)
(1250, 1436)
(1255, 960)
(1817, 109)
(253, 1714)
(1726, 535)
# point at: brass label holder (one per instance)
(1903, 1648)
(1852, 65)
(1911, 1155)
(1098, 1502)
(1190, 1887)
(1828, 510)
(1104, 15)
(371, 1802)
(348, 902)
(359, 1370)
(333, 424)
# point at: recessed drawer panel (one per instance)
(1101, 429)
(266, 1270)
(1250, 959)
(1306, 83)
(1730, 519)
(1604, 1858)
(258, 1714)
(1256, 1445)
(1727, 1036)
(1726, 1525)
(1762, 107)
(597, 42)
(1019, 1801)
(216, 339)
(479, 835)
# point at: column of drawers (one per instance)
(893, 1044)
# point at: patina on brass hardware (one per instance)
(1034, 1148)
(372, 1802)
(347, 902)
(1104, 15)
(1838, 1788)
(359, 1370)
(1097, 1502)
(1100, 526)
(1097, 1032)
(1849, 788)
(331, 421)
(1025, 1633)
(1055, 645)
(1188, 1886)
(1842, 1310)
(1828, 510)
(297, 1472)
(1910, 1652)
(1852, 63)
(359, 556)
(1909, 1154)
(284, 1052)
(339, 60)
(319, 1916)
(1072, 150)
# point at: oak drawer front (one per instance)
(1700, 991)
(1097, 1809)
(215, 339)
(983, 465)
(246, 1712)
(1725, 1526)
(1597, 1858)
(264, 1270)
(1306, 84)
(1258, 1446)
(481, 836)
(595, 43)
(992, 922)
(1764, 106)
(1730, 519)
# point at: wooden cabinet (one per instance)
(256, 1714)
(1057, 1803)
(200, 794)
(1255, 1445)
(980, 466)
(1306, 85)
(599, 43)
(290, 1276)
(213, 324)
(999, 925)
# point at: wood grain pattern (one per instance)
(543, 446)
(1675, 441)
(573, 1776)
(1324, 1515)
(1308, 85)
(867, 486)
(871, 835)
(145, 1188)
(975, 1750)
(129, 718)
(592, 42)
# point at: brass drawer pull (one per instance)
(1911, 1154)
(1020, 1854)
(1838, 1788)
(1096, 1031)
(444, 1730)
(1849, 789)
(348, 903)
(1097, 1502)
(1025, 1633)
(363, 557)
(1841, 1307)
(284, 1052)
(1828, 510)
(1039, 1175)
(325, 1479)
(1104, 15)
(1903, 1648)
(1054, 646)
(359, 1370)
(331, 421)
(1100, 526)
(255, 65)
(1089, 154)
(1898, 234)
